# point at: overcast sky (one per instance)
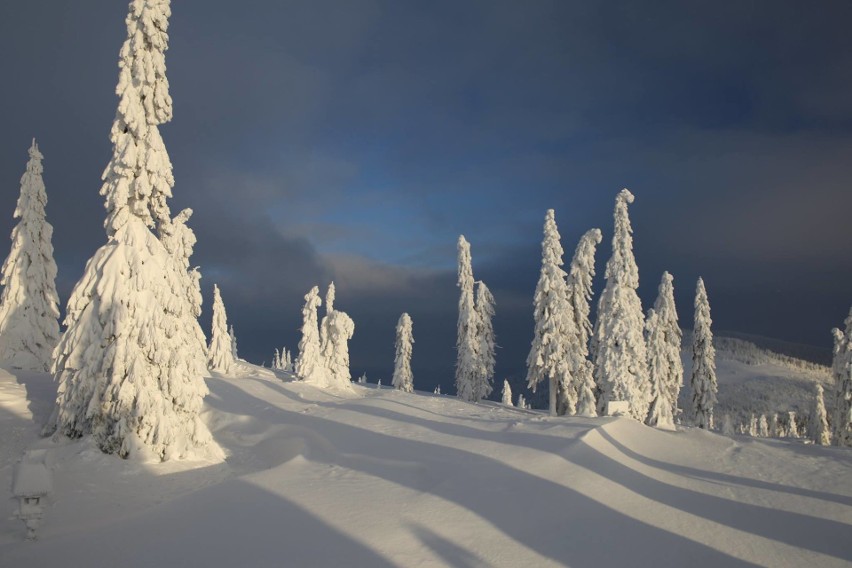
(354, 140)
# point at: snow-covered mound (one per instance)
(373, 477)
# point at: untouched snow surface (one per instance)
(374, 477)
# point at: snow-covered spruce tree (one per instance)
(752, 426)
(233, 337)
(669, 363)
(841, 369)
(618, 343)
(522, 402)
(763, 427)
(29, 306)
(819, 420)
(335, 332)
(579, 293)
(309, 365)
(276, 360)
(727, 425)
(660, 413)
(467, 342)
(507, 393)
(220, 353)
(553, 357)
(130, 365)
(792, 426)
(402, 376)
(325, 324)
(703, 362)
(485, 333)
(774, 427)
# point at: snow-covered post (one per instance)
(467, 344)
(841, 369)
(29, 306)
(309, 365)
(819, 421)
(618, 343)
(703, 362)
(485, 333)
(507, 393)
(402, 376)
(579, 293)
(550, 358)
(131, 363)
(220, 354)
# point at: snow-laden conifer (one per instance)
(276, 360)
(220, 353)
(841, 370)
(763, 427)
(507, 393)
(660, 413)
(130, 365)
(727, 425)
(775, 427)
(551, 358)
(522, 402)
(309, 365)
(467, 342)
(403, 379)
(579, 293)
(819, 420)
(29, 312)
(233, 337)
(336, 330)
(325, 325)
(792, 426)
(484, 304)
(618, 343)
(752, 426)
(667, 346)
(703, 362)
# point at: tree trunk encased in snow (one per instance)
(403, 379)
(29, 305)
(704, 385)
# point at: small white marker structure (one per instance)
(33, 482)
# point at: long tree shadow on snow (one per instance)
(582, 535)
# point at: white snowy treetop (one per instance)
(131, 364)
(138, 179)
(507, 393)
(704, 386)
(403, 379)
(484, 304)
(842, 371)
(309, 365)
(551, 358)
(579, 292)
(669, 363)
(29, 305)
(621, 371)
(467, 344)
(220, 353)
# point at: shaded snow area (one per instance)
(375, 478)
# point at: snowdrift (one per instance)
(378, 477)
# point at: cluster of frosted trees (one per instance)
(323, 359)
(626, 362)
(475, 343)
(282, 360)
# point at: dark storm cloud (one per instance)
(355, 140)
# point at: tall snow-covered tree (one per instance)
(763, 427)
(484, 305)
(819, 420)
(667, 346)
(841, 369)
(336, 330)
(325, 325)
(618, 343)
(403, 379)
(579, 293)
(29, 305)
(130, 365)
(276, 360)
(507, 393)
(220, 353)
(551, 358)
(704, 386)
(660, 413)
(309, 365)
(467, 342)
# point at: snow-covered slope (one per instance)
(384, 478)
